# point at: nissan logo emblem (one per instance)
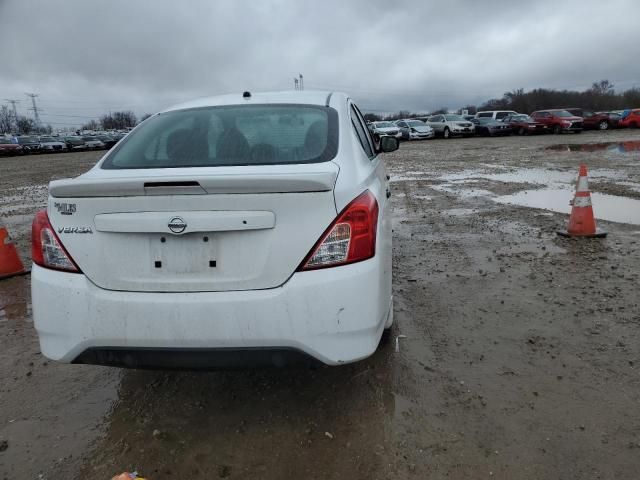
(177, 225)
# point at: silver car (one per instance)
(448, 124)
(388, 129)
(412, 129)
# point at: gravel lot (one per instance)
(519, 359)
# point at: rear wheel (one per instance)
(446, 133)
(521, 131)
(603, 125)
(633, 125)
(557, 129)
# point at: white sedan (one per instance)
(50, 144)
(221, 231)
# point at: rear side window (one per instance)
(362, 133)
(485, 115)
(500, 115)
(230, 136)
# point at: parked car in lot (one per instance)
(412, 129)
(523, 124)
(448, 125)
(495, 114)
(9, 148)
(107, 140)
(215, 232)
(632, 120)
(50, 144)
(558, 120)
(594, 121)
(92, 143)
(489, 127)
(389, 129)
(74, 143)
(29, 143)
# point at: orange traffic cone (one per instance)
(10, 263)
(582, 222)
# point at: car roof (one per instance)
(306, 97)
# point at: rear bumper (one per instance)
(334, 315)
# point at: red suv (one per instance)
(592, 120)
(558, 120)
(632, 120)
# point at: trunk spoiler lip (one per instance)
(202, 184)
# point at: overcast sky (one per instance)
(84, 57)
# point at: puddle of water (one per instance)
(539, 176)
(400, 178)
(460, 212)
(463, 192)
(620, 147)
(605, 207)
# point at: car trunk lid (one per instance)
(202, 229)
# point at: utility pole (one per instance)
(301, 82)
(36, 117)
(15, 111)
(295, 83)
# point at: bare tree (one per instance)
(25, 125)
(603, 87)
(441, 110)
(91, 125)
(6, 120)
(118, 120)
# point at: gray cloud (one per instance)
(85, 58)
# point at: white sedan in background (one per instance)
(383, 128)
(92, 142)
(51, 144)
(219, 232)
(412, 129)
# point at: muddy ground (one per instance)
(521, 358)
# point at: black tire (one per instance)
(557, 129)
(603, 125)
(446, 133)
(521, 131)
(634, 125)
(578, 131)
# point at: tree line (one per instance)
(10, 124)
(601, 96)
(113, 121)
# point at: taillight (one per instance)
(46, 249)
(350, 238)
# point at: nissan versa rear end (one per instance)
(219, 230)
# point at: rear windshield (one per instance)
(230, 135)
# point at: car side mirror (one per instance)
(389, 144)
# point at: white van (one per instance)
(495, 114)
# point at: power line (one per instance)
(15, 111)
(36, 117)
